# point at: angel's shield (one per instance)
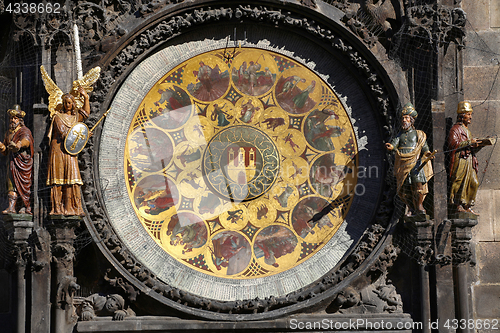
(76, 139)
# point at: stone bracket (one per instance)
(423, 230)
(18, 233)
(461, 233)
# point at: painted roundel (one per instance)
(241, 163)
(240, 169)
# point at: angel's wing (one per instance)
(86, 82)
(55, 94)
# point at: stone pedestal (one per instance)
(461, 233)
(19, 228)
(62, 230)
(423, 229)
(41, 303)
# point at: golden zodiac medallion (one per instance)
(241, 169)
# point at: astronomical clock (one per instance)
(239, 181)
(235, 170)
(231, 167)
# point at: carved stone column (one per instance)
(461, 233)
(19, 228)
(424, 234)
(63, 254)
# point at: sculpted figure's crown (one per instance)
(464, 107)
(16, 111)
(409, 110)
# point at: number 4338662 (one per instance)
(33, 8)
(473, 324)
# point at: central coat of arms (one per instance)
(241, 163)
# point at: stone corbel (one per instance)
(18, 232)
(423, 232)
(461, 232)
(98, 305)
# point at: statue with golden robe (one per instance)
(64, 173)
(463, 166)
(412, 174)
(66, 111)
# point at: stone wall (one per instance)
(481, 68)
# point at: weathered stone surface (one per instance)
(480, 46)
(484, 231)
(496, 220)
(444, 294)
(486, 304)
(495, 14)
(478, 81)
(478, 12)
(488, 257)
(485, 123)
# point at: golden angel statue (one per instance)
(66, 111)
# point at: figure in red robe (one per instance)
(463, 162)
(18, 144)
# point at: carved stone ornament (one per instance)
(461, 231)
(88, 308)
(369, 246)
(372, 21)
(17, 239)
(378, 297)
(127, 288)
(359, 28)
(309, 3)
(423, 234)
(21, 252)
(438, 25)
(66, 291)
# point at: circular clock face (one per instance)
(240, 168)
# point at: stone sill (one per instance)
(289, 324)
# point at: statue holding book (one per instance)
(463, 166)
